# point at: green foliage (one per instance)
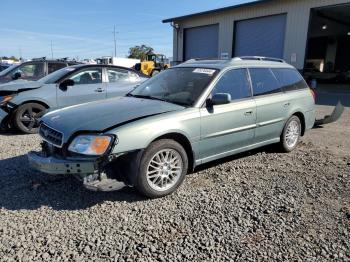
(140, 52)
(10, 58)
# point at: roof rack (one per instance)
(63, 59)
(239, 58)
(39, 59)
(204, 59)
(259, 58)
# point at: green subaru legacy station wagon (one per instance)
(186, 116)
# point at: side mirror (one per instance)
(64, 85)
(16, 75)
(220, 99)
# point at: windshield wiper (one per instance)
(147, 97)
(159, 99)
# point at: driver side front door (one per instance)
(88, 87)
(228, 128)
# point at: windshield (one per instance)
(53, 77)
(181, 86)
(4, 72)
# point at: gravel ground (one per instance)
(261, 205)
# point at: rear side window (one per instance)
(290, 79)
(117, 75)
(55, 66)
(88, 76)
(235, 83)
(264, 82)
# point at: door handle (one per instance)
(99, 90)
(286, 104)
(248, 113)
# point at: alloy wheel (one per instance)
(164, 169)
(292, 133)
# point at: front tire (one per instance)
(291, 134)
(163, 168)
(27, 117)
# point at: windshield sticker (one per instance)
(204, 71)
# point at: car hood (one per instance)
(104, 114)
(20, 85)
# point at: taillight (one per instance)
(313, 93)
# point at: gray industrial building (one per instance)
(312, 35)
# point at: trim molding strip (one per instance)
(244, 128)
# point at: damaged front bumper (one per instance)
(3, 115)
(52, 165)
(87, 171)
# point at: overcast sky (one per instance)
(84, 28)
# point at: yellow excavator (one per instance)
(153, 64)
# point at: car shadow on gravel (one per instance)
(11, 133)
(24, 189)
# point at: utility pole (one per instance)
(20, 54)
(115, 43)
(51, 50)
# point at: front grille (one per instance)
(51, 135)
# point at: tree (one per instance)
(9, 58)
(139, 52)
(14, 58)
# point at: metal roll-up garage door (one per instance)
(201, 42)
(261, 36)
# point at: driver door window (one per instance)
(32, 71)
(235, 83)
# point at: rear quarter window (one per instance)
(290, 79)
(264, 82)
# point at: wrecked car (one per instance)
(33, 70)
(23, 103)
(4, 66)
(186, 116)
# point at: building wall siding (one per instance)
(298, 16)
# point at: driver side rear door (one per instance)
(88, 86)
(120, 81)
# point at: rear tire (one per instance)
(27, 117)
(162, 169)
(291, 134)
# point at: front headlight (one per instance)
(92, 145)
(4, 100)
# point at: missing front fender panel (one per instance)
(114, 172)
(125, 167)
